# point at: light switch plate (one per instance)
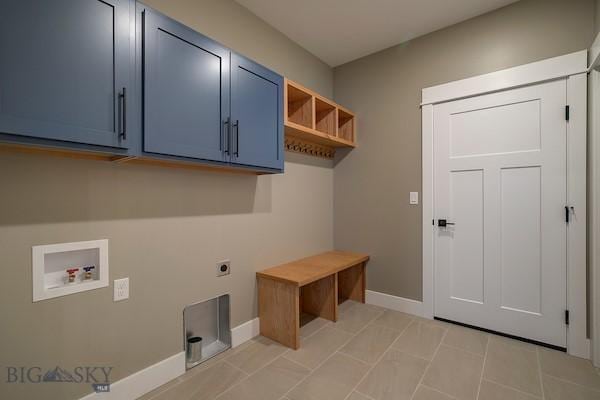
(414, 197)
(121, 289)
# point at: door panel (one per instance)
(500, 176)
(186, 90)
(64, 65)
(509, 128)
(521, 238)
(466, 269)
(257, 115)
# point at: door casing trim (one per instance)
(573, 67)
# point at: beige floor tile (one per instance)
(427, 393)
(434, 322)
(206, 384)
(455, 372)
(310, 325)
(355, 318)
(573, 369)
(512, 366)
(467, 339)
(493, 391)
(394, 320)
(556, 389)
(357, 396)
(256, 355)
(318, 347)
(420, 339)
(269, 383)
(346, 305)
(395, 377)
(333, 380)
(513, 342)
(370, 344)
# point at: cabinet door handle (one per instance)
(236, 125)
(123, 103)
(225, 136)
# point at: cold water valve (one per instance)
(88, 272)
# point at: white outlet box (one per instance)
(121, 289)
(51, 262)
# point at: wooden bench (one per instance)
(315, 285)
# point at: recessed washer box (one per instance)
(51, 262)
(209, 320)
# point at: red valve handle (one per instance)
(72, 271)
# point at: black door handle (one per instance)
(236, 125)
(123, 103)
(442, 223)
(225, 134)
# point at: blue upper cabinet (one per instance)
(185, 91)
(66, 68)
(256, 115)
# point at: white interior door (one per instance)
(500, 177)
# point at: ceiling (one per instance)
(339, 31)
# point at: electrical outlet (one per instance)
(223, 268)
(121, 289)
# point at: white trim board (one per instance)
(144, 381)
(540, 71)
(244, 332)
(573, 67)
(395, 303)
(594, 178)
(139, 383)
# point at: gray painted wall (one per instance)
(167, 229)
(372, 182)
(597, 17)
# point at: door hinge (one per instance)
(567, 214)
(566, 317)
(567, 112)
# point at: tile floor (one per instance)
(377, 354)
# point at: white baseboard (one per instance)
(244, 332)
(396, 303)
(144, 381)
(148, 379)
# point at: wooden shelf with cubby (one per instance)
(314, 124)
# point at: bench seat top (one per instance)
(311, 269)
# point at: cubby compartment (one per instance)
(208, 320)
(314, 124)
(299, 106)
(345, 125)
(68, 268)
(325, 116)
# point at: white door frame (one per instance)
(573, 67)
(594, 231)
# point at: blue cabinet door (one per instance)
(186, 91)
(256, 115)
(65, 69)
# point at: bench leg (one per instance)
(279, 312)
(352, 283)
(320, 298)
